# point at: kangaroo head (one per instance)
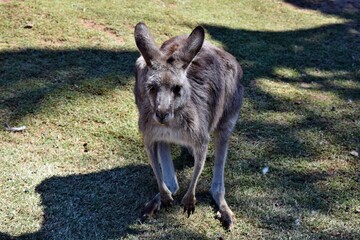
(166, 83)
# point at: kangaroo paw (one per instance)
(227, 219)
(150, 209)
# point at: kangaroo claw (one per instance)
(189, 205)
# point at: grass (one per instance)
(79, 170)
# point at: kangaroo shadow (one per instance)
(98, 205)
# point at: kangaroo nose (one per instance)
(161, 115)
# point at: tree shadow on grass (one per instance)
(330, 48)
(319, 56)
(342, 8)
(29, 75)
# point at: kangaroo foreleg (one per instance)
(167, 167)
(152, 152)
(162, 165)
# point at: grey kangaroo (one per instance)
(185, 90)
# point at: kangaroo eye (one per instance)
(176, 90)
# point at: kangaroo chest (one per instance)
(169, 134)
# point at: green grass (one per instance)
(79, 170)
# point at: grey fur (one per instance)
(185, 90)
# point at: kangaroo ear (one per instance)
(146, 44)
(193, 45)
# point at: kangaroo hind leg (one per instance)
(217, 190)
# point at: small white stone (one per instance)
(354, 153)
(265, 170)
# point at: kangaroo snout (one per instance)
(162, 116)
(163, 107)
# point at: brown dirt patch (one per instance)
(111, 32)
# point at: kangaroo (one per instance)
(184, 91)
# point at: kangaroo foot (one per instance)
(227, 218)
(167, 200)
(189, 204)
